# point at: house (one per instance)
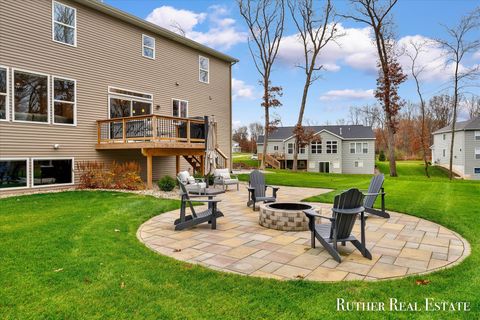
(83, 81)
(466, 148)
(236, 147)
(336, 149)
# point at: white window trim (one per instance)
(69, 102)
(56, 184)
(275, 148)
(474, 171)
(476, 135)
(144, 46)
(128, 97)
(181, 100)
(288, 147)
(317, 144)
(357, 163)
(74, 27)
(27, 175)
(476, 153)
(200, 69)
(48, 97)
(7, 100)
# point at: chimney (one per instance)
(340, 130)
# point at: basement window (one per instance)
(49, 172)
(13, 174)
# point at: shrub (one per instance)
(381, 156)
(167, 183)
(98, 175)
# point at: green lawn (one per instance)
(75, 255)
(244, 158)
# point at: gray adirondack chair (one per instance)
(346, 207)
(374, 190)
(186, 221)
(257, 189)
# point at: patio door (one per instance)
(324, 167)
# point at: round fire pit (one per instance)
(285, 216)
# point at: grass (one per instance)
(244, 158)
(76, 255)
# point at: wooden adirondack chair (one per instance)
(257, 189)
(210, 215)
(346, 207)
(374, 190)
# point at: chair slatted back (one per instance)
(349, 199)
(185, 197)
(257, 181)
(375, 187)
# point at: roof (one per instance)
(472, 124)
(344, 132)
(131, 19)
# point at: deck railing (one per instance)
(150, 128)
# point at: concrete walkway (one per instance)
(401, 246)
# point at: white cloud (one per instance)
(236, 124)
(242, 90)
(477, 55)
(347, 94)
(221, 30)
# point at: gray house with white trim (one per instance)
(466, 153)
(337, 149)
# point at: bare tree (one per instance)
(457, 46)
(473, 106)
(440, 109)
(416, 70)
(256, 130)
(264, 19)
(375, 13)
(314, 32)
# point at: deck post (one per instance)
(149, 171)
(202, 165)
(177, 163)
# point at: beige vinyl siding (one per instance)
(335, 159)
(108, 53)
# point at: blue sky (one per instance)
(351, 74)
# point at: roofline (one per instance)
(129, 18)
(450, 130)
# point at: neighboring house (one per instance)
(236, 147)
(83, 81)
(337, 149)
(466, 148)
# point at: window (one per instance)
(275, 148)
(180, 108)
(52, 172)
(358, 164)
(125, 103)
(13, 173)
(64, 101)
(477, 153)
(476, 170)
(332, 146)
(477, 135)
(290, 148)
(301, 150)
(365, 147)
(204, 69)
(30, 97)
(148, 46)
(3, 93)
(64, 27)
(443, 151)
(316, 147)
(358, 147)
(444, 136)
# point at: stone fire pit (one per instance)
(285, 216)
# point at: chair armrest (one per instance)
(250, 189)
(349, 211)
(201, 196)
(273, 187)
(207, 201)
(199, 179)
(372, 194)
(312, 213)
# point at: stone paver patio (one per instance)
(400, 246)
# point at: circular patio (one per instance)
(401, 246)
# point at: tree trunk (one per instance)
(295, 155)
(391, 151)
(422, 140)
(267, 124)
(302, 111)
(454, 118)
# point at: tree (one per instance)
(264, 19)
(256, 130)
(457, 46)
(440, 109)
(314, 32)
(473, 106)
(240, 135)
(416, 70)
(376, 15)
